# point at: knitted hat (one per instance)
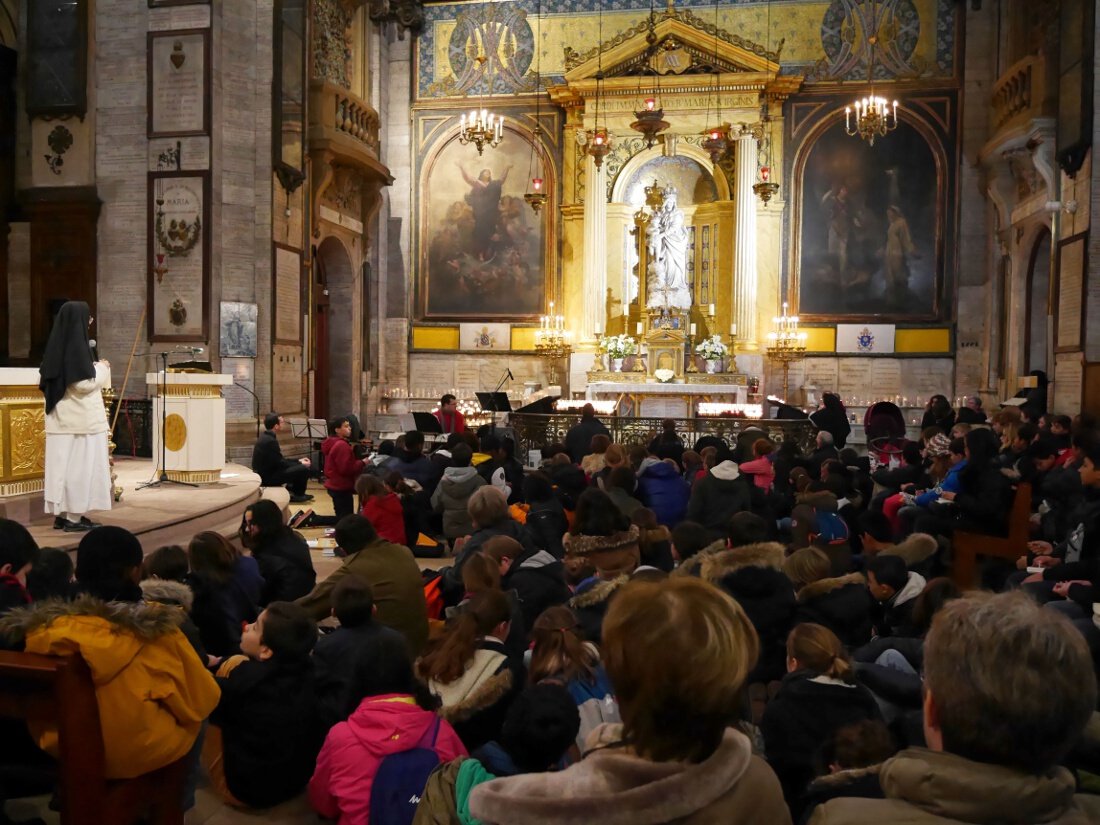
(938, 445)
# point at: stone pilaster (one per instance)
(744, 250)
(595, 251)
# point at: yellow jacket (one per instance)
(152, 690)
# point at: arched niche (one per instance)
(1037, 303)
(337, 362)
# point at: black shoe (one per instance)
(76, 527)
(89, 523)
(59, 523)
(298, 499)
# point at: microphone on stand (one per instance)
(92, 347)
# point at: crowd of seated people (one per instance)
(656, 633)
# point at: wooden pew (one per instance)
(59, 690)
(968, 546)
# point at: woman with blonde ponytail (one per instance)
(470, 670)
(817, 697)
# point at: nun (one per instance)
(78, 473)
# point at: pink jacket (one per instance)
(763, 473)
(353, 750)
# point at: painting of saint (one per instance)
(870, 230)
(483, 247)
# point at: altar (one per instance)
(649, 399)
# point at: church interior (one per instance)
(299, 215)
(301, 191)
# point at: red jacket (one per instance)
(385, 513)
(341, 465)
(353, 750)
(457, 424)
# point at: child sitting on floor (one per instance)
(264, 737)
(373, 767)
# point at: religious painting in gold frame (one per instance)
(873, 227)
(483, 253)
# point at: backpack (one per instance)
(400, 780)
(830, 528)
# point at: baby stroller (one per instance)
(884, 426)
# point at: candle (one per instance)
(733, 330)
(650, 104)
(692, 329)
(710, 309)
(639, 328)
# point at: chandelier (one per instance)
(874, 116)
(535, 196)
(715, 142)
(480, 127)
(650, 118)
(599, 139)
(786, 343)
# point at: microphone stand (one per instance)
(162, 477)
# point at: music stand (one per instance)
(309, 428)
(494, 401)
(426, 423)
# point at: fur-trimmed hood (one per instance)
(579, 545)
(823, 586)
(598, 593)
(166, 591)
(694, 565)
(766, 554)
(916, 548)
(146, 621)
(838, 780)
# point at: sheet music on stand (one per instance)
(310, 428)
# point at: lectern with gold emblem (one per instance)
(194, 424)
(22, 433)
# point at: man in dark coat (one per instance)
(274, 470)
(415, 466)
(537, 578)
(579, 437)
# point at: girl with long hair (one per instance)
(560, 655)
(281, 553)
(470, 670)
(818, 696)
(227, 587)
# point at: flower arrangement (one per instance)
(712, 349)
(619, 346)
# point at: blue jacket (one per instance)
(950, 484)
(662, 490)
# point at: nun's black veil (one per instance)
(68, 358)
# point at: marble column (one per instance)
(595, 250)
(744, 263)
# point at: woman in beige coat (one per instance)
(677, 653)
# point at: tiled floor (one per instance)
(209, 810)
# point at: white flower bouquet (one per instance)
(619, 346)
(712, 349)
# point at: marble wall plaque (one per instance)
(195, 16)
(179, 83)
(1069, 374)
(179, 255)
(288, 292)
(1070, 290)
(239, 405)
(854, 378)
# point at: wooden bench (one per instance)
(59, 690)
(968, 546)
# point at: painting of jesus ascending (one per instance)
(484, 247)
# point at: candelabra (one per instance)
(874, 117)
(552, 342)
(108, 400)
(786, 344)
